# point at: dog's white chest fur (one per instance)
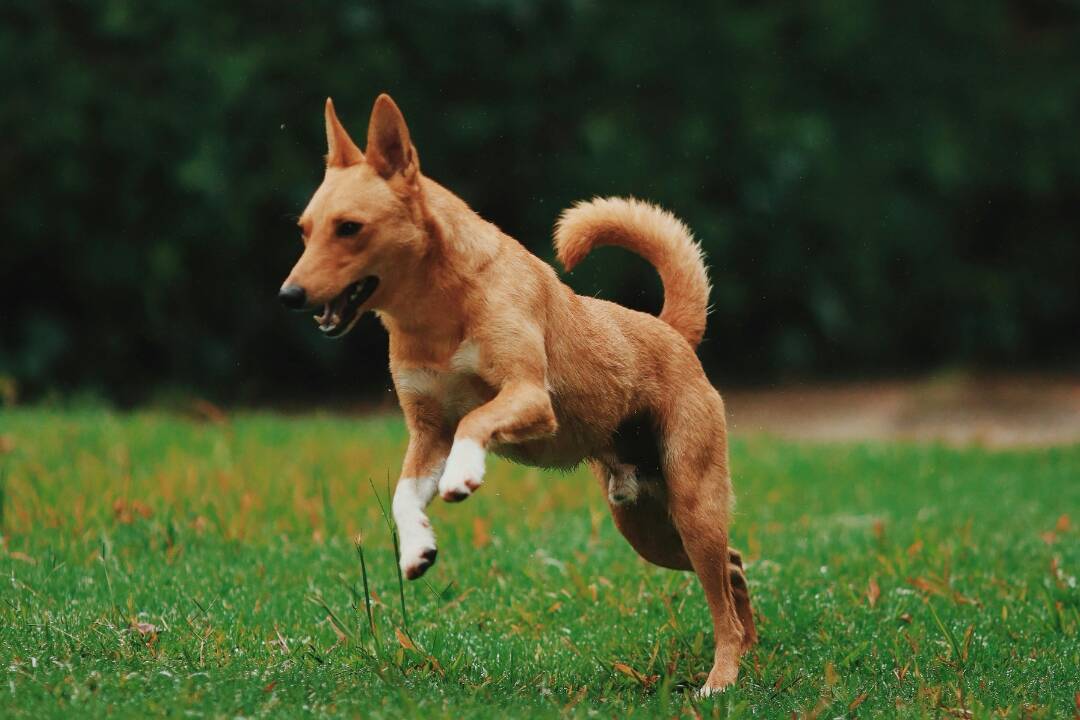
(458, 389)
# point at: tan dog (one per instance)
(491, 352)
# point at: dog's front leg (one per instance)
(424, 462)
(521, 411)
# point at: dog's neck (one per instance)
(461, 246)
(464, 241)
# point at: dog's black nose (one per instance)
(293, 297)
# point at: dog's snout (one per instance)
(292, 297)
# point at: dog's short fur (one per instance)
(489, 351)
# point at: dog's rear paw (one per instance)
(707, 692)
(464, 471)
(720, 679)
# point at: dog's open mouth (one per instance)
(340, 314)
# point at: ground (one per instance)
(959, 408)
(154, 564)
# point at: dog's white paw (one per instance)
(417, 548)
(416, 539)
(464, 471)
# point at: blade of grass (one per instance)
(367, 590)
(945, 631)
(329, 518)
(317, 599)
(397, 552)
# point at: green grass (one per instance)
(153, 565)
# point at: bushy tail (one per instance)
(656, 235)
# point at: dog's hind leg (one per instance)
(647, 525)
(740, 590)
(699, 497)
(630, 475)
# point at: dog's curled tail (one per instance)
(656, 235)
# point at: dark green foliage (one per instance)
(878, 186)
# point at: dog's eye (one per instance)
(347, 229)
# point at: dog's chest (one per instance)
(456, 386)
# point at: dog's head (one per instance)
(363, 230)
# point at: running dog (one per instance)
(491, 352)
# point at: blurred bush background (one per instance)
(880, 187)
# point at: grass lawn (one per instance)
(154, 565)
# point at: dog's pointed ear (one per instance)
(341, 150)
(389, 149)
